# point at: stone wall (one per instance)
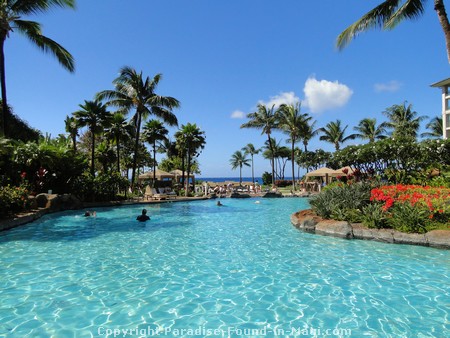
(308, 221)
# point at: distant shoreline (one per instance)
(223, 179)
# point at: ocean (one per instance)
(223, 179)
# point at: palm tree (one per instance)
(119, 130)
(238, 159)
(154, 131)
(334, 133)
(265, 119)
(403, 120)
(291, 122)
(191, 140)
(368, 130)
(435, 128)
(308, 131)
(250, 149)
(71, 125)
(389, 14)
(94, 115)
(133, 92)
(11, 13)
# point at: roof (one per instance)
(324, 171)
(442, 83)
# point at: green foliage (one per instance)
(440, 181)
(346, 214)
(104, 187)
(341, 201)
(267, 178)
(407, 218)
(403, 158)
(13, 200)
(373, 216)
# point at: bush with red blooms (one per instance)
(406, 204)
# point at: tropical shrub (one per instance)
(342, 201)
(267, 178)
(104, 187)
(404, 157)
(13, 200)
(408, 218)
(413, 208)
(373, 216)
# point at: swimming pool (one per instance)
(237, 269)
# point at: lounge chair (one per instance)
(167, 191)
(151, 193)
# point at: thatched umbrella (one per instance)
(159, 175)
(324, 172)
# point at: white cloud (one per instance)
(391, 86)
(325, 95)
(286, 98)
(237, 114)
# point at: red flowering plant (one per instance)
(436, 201)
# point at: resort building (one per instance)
(445, 86)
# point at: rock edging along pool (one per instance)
(308, 221)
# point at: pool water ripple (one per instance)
(194, 265)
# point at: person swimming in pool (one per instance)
(143, 217)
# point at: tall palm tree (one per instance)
(292, 122)
(390, 13)
(435, 128)
(334, 133)
(250, 149)
(93, 114)
(119, 130)
(308, 131)
(238, 160)
(133, 92)
(153, 132)
(11, 13)
(403, 120)
(265, 119)
(71, 125)
(191, 141)
(368, 130)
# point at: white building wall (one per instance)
(446, 111)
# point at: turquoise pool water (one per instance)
(237, 269)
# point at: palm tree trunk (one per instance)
(118, 155)
(136, 147)
(253, 172)
(74, 141)
(240, 175)
(293, 167)
(183, 169)
(272, 160)
(439, 7)
(3, 117)
(154, 163)
(93, 154)
(188, 171)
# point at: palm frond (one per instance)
(411, 9)
(31, 30)
(376, 17)
(38, 6)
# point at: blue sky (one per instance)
(221, 58)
